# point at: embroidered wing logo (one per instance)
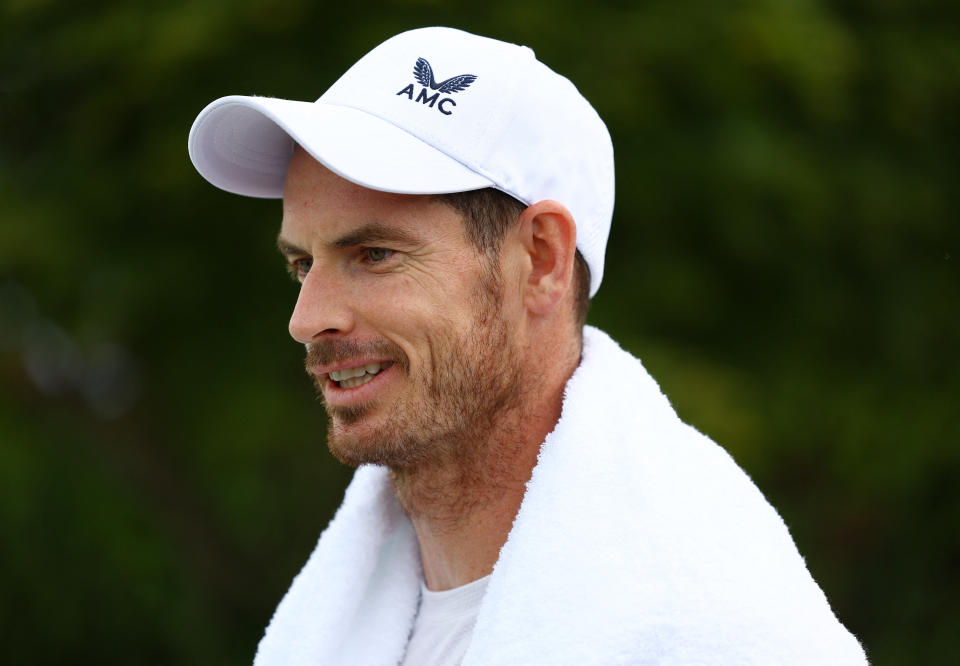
(423, 73)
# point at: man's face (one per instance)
(408, 336)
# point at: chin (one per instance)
(361, 442)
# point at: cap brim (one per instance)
(244, 144)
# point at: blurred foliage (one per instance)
(784, 257)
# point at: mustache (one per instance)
(336, 351)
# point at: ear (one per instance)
(549, 237)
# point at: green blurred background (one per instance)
(783, 257)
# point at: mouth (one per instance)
(357, 376)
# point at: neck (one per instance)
(461, 520)
(463, 509)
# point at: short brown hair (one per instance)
(488, 214)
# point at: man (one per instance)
(525, 494)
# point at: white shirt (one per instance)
(444, 625)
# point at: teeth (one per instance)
(354, 382)
(362, 374)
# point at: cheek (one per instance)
(419, 294)
(419, 301)
(396, 309)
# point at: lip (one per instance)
(343, 365)
(337, 396)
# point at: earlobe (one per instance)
(550, 242)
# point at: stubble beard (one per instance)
(473, 384)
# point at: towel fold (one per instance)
(639, 541)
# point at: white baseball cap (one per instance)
(429, 111)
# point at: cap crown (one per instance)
(493, 107)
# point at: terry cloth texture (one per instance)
(639, 541)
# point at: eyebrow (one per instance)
(372, 232)
(289, 249)
(375, 232)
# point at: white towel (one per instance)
(639, 541)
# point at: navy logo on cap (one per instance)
(423, 73)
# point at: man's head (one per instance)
(420, 336)
(448, 231)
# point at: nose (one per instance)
(322, 309)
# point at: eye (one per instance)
(377, 254)
(298, 268)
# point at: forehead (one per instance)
(317, 203)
